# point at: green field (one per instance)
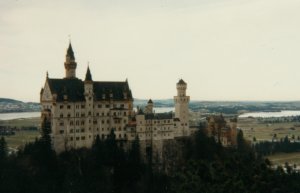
(20, 123)
(263, 131)
(22, 136)
(282, 158)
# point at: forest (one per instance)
(206, 167)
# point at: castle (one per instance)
(224, 132)
(78, 111)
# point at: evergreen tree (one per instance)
(3, 148)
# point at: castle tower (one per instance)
(149, 107)
(70, 64)
(89, 104)
(182, 106)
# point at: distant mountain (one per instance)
(11, 105)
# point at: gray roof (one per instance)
(74, 89)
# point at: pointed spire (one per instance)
(47, 75)
(88, 75)
(70, 52)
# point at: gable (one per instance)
(46, 93)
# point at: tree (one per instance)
(241, 144)
(3, 148)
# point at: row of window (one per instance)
(99, 106)
(162, 121)
(149, 128)
(82, 130)
(77, 114)
(116, 121)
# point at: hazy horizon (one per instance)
(226, 50)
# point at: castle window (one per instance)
(61, 115)
(77, 138)
(95, 122)
(82, 122)
(99, 106)
(107, 121)
(103, 136)
(61, 123)
(90, 113)
(125, 113)
(120, 136)
(61, 131)
(77, 114)
(102, 129)
(102, 113)
(124, 121)
(107, 106)
(82, 114)
(82, 137)
(107, 113)
(77, 130)
(82, 106)
(71, 138)
(71, 130)
(122, 105)
(71, 122)
(77, 123)
(82, 130)
(97, 114)
(102, 121)
(61, 106)
(69, 115)
(69, 106)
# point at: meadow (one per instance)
(25, 131)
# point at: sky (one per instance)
(224, 49)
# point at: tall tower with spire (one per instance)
(70, 64)
(182, 106)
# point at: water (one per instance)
(10, 116)
(163, 109)
(271, 114)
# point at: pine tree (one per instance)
(3, 148)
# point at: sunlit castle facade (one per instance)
(79, 110)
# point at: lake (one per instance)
(271, 114)
(23, 115)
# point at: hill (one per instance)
(10, 105)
